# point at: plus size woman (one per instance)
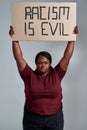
(43, 90)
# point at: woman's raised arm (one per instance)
(17, 52)
(68, 52)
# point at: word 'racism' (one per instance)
(52, 18)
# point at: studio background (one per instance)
(74, 84)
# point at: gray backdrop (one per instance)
(74, 83)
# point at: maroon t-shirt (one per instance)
(43, 94)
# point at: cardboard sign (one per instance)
(44, 21)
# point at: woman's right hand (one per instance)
(11, 31)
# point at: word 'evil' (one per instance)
(51, 13)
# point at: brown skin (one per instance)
(43, 64)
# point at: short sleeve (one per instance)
(60, 71)
(26, 72)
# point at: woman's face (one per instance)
(43, 65)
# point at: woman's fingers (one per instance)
(11, 31)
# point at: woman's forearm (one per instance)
(69, 50)
(16, 50)
(67, 55)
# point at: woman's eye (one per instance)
(39, 63)
(42, 63)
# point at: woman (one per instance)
(43, 92)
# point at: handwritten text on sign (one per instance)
(44, 21)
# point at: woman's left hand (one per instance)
(75, 31)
